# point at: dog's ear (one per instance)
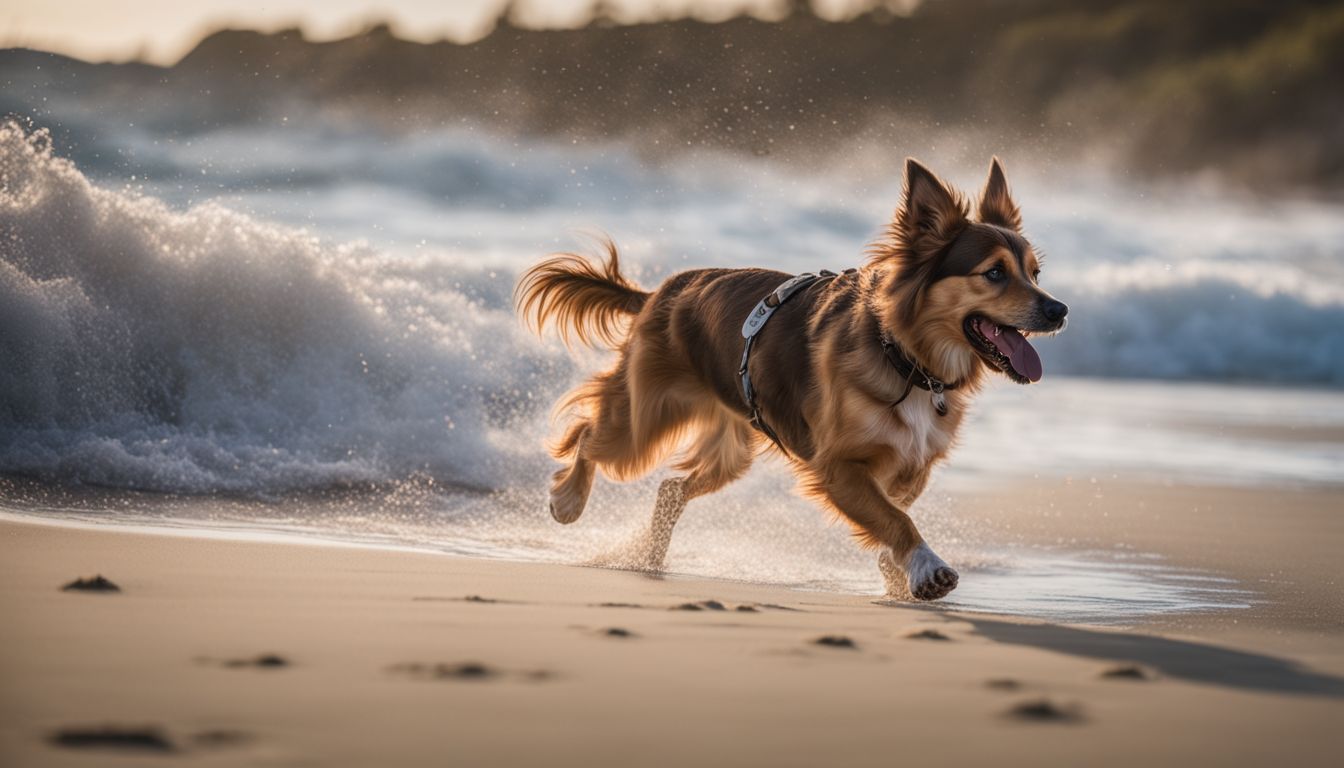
(996, 204)
(931, 215)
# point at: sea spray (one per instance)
(203, 350)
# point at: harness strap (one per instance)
(753, 325)
(915, 375)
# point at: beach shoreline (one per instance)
(379, 652)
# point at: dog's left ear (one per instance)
(931, 214)
(996, 204)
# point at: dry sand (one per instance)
(387, 658)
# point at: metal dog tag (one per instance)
(939, 399)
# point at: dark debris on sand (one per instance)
(469, 670)
(147, 739)
(703, 605)
(465, 599)
(1127, 672)
(95, 584)
(927, 634)
(617, 632)
(715, 605)
(835, 641)
(220, 738)
(1044, 711)
(264, 661)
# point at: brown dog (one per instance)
(861, 379)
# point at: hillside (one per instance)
(1244, 90)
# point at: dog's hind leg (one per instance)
(721, 453)
(612, 436)
(570, 486)
(604, 429)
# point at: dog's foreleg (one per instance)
(850, 488)
(907, 496)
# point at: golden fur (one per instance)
(824, 382)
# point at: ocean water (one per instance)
(307, 331)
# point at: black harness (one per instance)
(755, 322)
(915, 376)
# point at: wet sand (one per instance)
(1282, 544)
(223, 652)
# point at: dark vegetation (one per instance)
(1244, 89)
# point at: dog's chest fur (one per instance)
(906, 439)
(925, 434)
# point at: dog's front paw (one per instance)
(927, 576)
(943, 580)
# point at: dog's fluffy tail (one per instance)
(587, 301)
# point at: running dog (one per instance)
(861, 380)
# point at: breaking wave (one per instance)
(204, 350)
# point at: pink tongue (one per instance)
(1014, 345)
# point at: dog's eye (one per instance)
(995, 275)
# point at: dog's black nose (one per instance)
(1054, 311)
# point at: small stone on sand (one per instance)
(1126, 672)
(219, 738)
(264, 661)
(95, 584)
(835, 641)
(113, 737)
(1044, 711)
(468, 671)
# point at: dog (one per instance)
(861, 380)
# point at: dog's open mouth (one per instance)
(1004, 348)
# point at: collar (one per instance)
(915, 376)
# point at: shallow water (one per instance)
(1095, 587)
(798, 550)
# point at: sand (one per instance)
(239, 652)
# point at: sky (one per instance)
(161, 31)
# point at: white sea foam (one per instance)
(202, 350)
